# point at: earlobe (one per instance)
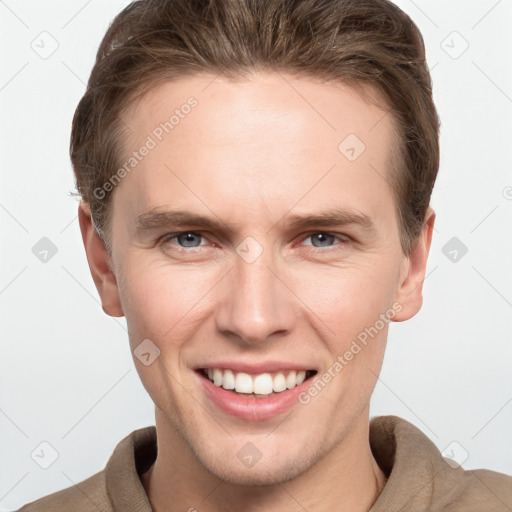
(100, 263)
(410, 292)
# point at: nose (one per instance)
(256, 304)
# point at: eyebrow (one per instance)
(332, 218)
(336, 217)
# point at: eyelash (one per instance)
(344, 239)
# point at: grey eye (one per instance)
(323, 238)
(187, 239)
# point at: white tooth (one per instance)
(279, 382)
(291, 380)
(263, 384)
(210, 373)
(243, 383)
(217, 377)
(300, 377)
(228, 380)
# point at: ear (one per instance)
(410, 292)
(100, 263)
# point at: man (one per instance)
(255, 179)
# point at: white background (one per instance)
(67, 375)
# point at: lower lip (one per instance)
(252, 409)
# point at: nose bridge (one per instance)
(256, 303)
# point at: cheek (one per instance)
(159, 300)
(346, 300)
(161, 304)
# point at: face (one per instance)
(256, 238)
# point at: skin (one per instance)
(250, 154)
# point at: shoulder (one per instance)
(117, 486)
(480, 490)
(420, 477)
(90, 495)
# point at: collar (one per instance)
(131, 457)
(412, 463)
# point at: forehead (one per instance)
(227, 108)
(272, 138)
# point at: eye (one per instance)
(185, 239)
(192, 240)
(324, 239)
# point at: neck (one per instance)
(347, 479)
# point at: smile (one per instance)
(260, 385)
(253, 396)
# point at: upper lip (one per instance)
(256, 367)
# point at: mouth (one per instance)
(254, 396)
(262, 385)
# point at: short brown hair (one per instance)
(363, 42)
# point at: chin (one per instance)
(275, 466)
(259, 475)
